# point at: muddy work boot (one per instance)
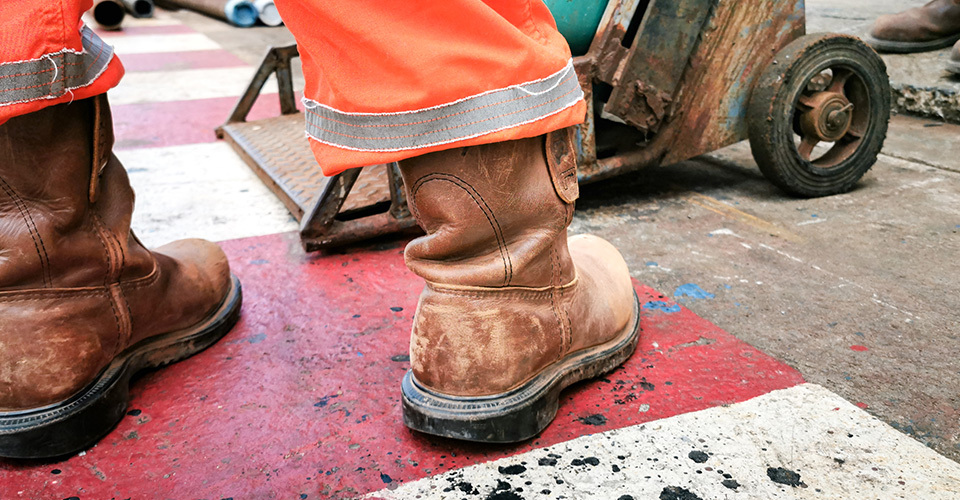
(511, 313)
(933, 26)
(83, 305)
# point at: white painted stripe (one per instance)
(185, 85)
(838, 450)
(200, 190)
(145, 44)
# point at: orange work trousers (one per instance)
(47, 56)
(387, 80)
(384, 80)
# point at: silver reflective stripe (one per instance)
(463, 119)
(53, 75)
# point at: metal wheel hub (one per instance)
(829, 116)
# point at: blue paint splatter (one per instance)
(654, 264)
(692, 291)
(858, 334)
(259, 262)
(727, 286)
(324, 400)
(396, 309)
(814, 216)
(256, 339)
(662, 306)
(359, 354)
(385, 478)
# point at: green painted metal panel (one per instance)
(577, 21)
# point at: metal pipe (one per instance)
(269, 14)
(139, 8)
(240, 13)
(108, 14)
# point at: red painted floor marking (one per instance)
(175, 61)
(166, 29)
(175, 123)
(859, 348)
(302, 397)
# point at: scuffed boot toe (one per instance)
(606, 299)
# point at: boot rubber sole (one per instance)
(77, 423)
(896, 47)
(521, 413)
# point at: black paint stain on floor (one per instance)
(504, 495)
(512, 470)
(678, 493)
(547, 462)
(730, 483)
(400, 357)
(784, 476)
(595, 419)
(385, 478)
(698, 456)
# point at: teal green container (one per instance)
(577, 21)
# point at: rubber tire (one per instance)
(773, 101)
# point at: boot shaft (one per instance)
(65, 202)
(496, 215)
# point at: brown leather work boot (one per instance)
(511, 313)
(83, 305)
(933, 26)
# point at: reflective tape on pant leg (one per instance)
(466, 118)
(54, 74)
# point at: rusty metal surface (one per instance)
(276, 61)
(738, 41)
(277, 151)
(647, 81)
(341, 233)
(608, 49)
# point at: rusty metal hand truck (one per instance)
(665, 81)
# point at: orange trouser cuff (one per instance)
(47, 56)
(391, 80)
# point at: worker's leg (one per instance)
(83, 305)
(48, 57)
(932, 26)
(472, 97)
(391, 80)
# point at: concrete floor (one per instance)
(857, 291)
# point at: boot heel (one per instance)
(519, 414)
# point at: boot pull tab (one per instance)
(562, 161)
(102, 143)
